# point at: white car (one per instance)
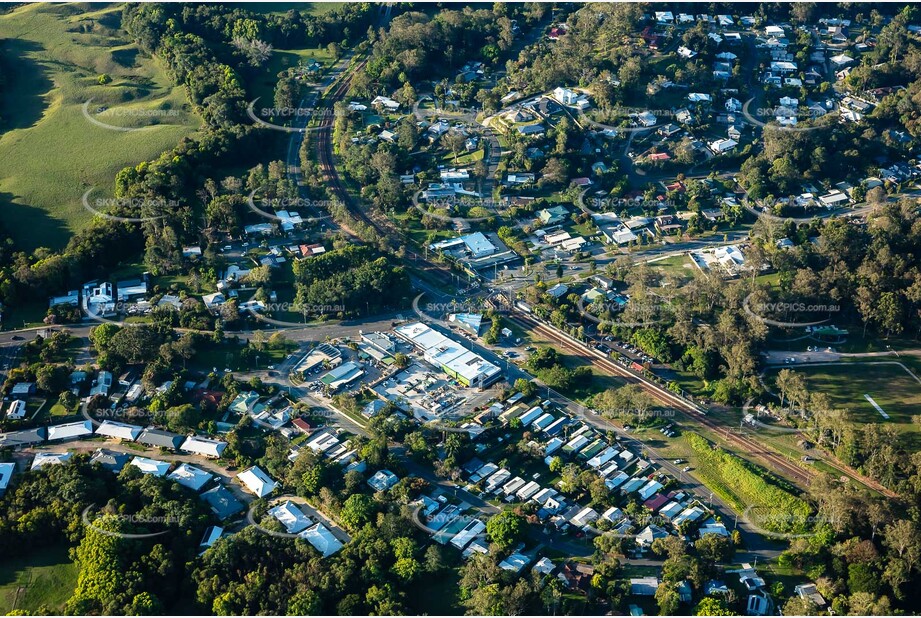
(686, 469)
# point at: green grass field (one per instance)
(896, 391)
(50, 154)
(280, 8)
(46, 578)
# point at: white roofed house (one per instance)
(257, 481)
(17, 410)
(190, 476)
(50, 459)
(6, 473)
(203, 446)
(124, 431)
(322, 540)
(150, 466)
(69, 431)
(291, 517)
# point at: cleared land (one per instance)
(46, 578)
(50, 154)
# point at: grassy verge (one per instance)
(744, 486)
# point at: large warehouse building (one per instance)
(466, 367)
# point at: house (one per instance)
(23, 437)
(212, 534)
(99, 299)
(17, 410)
(649, 534)
(809, 591)
(322, 540)
(203, 446)
(515, 563)
(558, 291)
(50, 459)
(72, 299)
(841, 60)
(783, 67)
(110, 460)
(222, 502)
(544, 566)
(190, 476)
(160, 438)
(150, 466)
(6, 473)
(722, 145)
(291, 517)
(699, 97)
(257, 481)
(684, 52)
(69, 431)
(644, 586)
(123, 431)
(531, 129)
(383, 480)
(552, 215)
(132, 289)
(385, 103)
(23, 389)
(646, 119)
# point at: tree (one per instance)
(525, 387)
(668, 599)
(505, 529)
(714, 548)
(356, 511)
(710, 606)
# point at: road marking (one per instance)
(876, 405)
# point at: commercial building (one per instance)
(466, 367)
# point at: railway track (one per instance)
(774, 462)
(331, 176)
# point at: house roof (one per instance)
(46, 459)
(23, 437)
(6, 473)
(223, 503)
(68, 431)
(257, 481)
(322, 539)
(203, 446)
(158, 437)
(151, 466)
(190, 476)
(110, 460)
(114, 429)
(291, 517)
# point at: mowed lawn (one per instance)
(45, 577)
(50, 154)
(890, 386)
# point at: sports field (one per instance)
(50, 153)
(888, 383)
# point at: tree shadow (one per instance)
(28, 81)
(31, 227)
